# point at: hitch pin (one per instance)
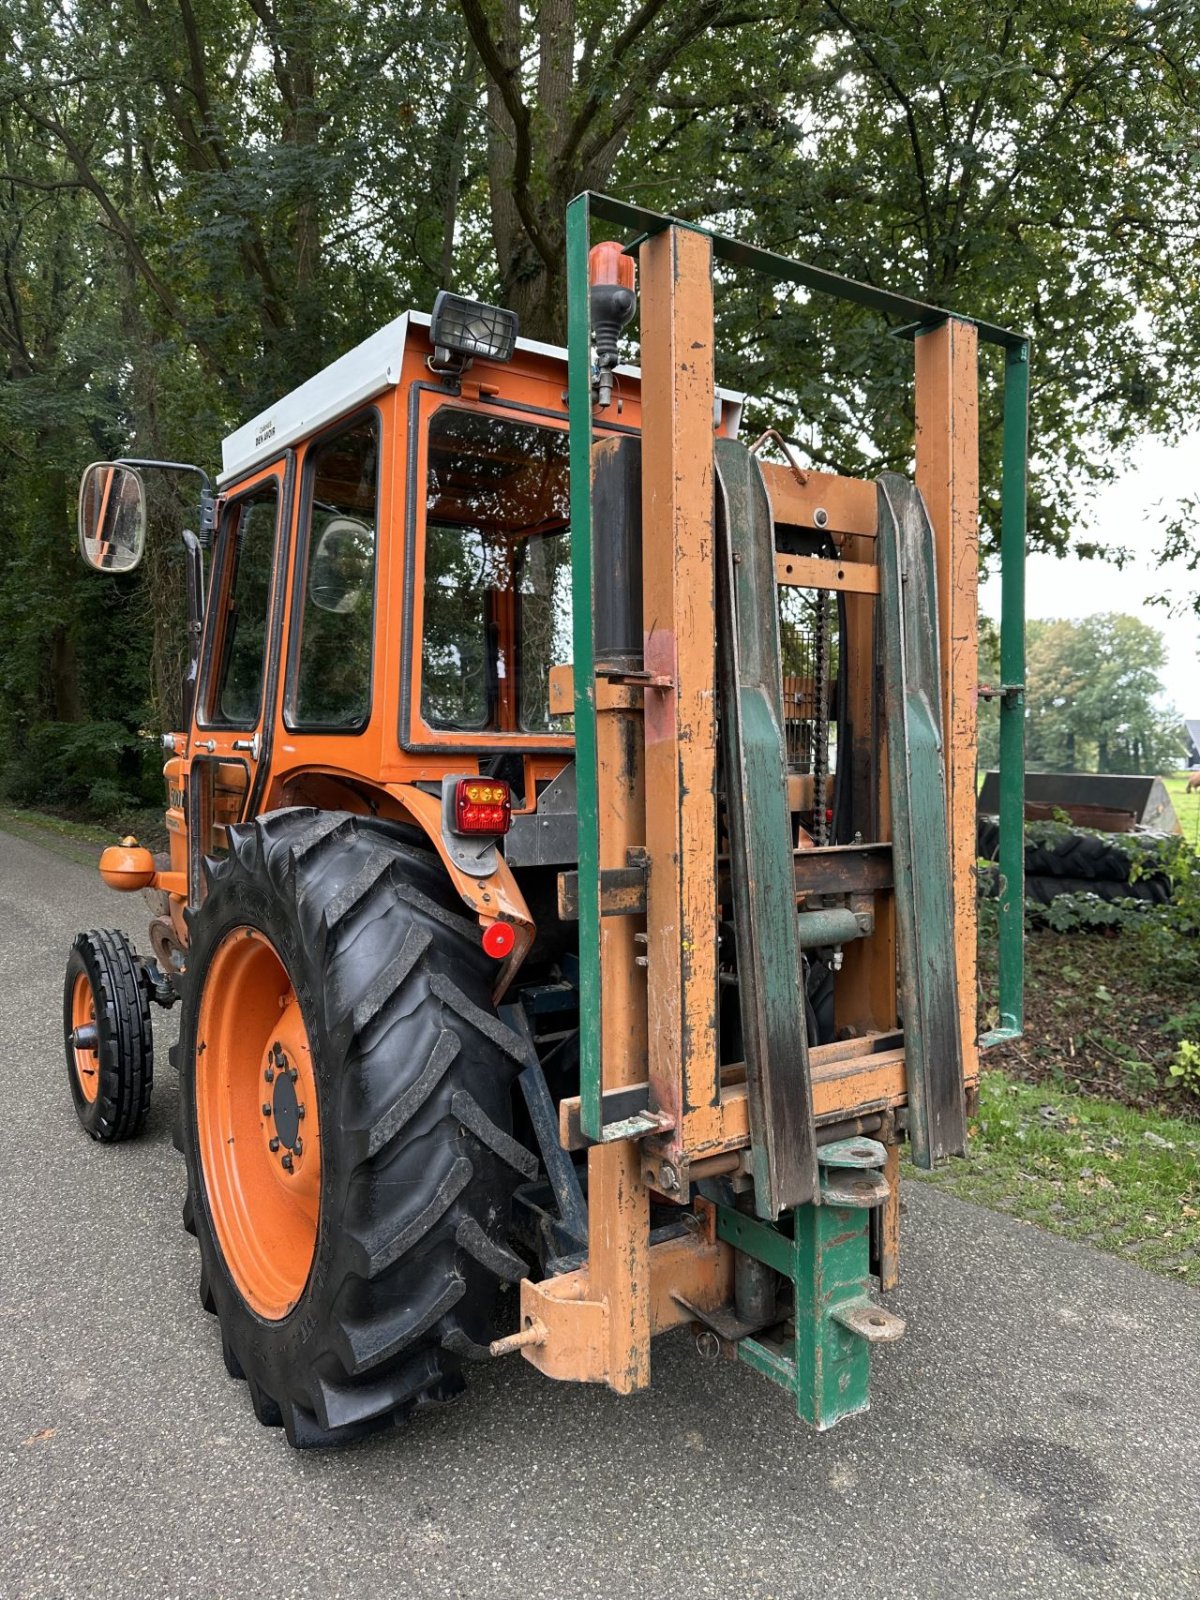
(535, 1333)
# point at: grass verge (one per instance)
(79, 841)
(1123, 1180)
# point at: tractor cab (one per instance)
(387, 605)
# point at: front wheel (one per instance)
(346, 1110)
(109, 1040)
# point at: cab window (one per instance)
(335, 608)
(497, 593)
(248, 552)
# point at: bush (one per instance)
(91, 768)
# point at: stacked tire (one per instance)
(1063, 860)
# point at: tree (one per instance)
(202, 201)
(1091, 688)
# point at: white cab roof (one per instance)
(363, 373)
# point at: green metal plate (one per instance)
(783, 1141)
(920, 833)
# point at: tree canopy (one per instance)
(202, 201)
(1092, 691)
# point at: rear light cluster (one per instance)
(482, 805)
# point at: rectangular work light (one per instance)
(468, 328)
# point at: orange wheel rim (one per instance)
(256, 1120)
(83, 1014)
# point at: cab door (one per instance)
(239, 674)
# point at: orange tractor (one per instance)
(570, 885)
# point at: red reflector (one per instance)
(482, 805)
(498, 940)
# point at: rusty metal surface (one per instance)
(680, 722)
(924, 898)
(836, 869)
(770, 977)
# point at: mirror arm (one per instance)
(206, 494)
(194, 557)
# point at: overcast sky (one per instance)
(1127, 513)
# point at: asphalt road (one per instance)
(1035, 1433)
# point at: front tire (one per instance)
(109, 1040)
(329, 970)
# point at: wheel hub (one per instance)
(286, 1110)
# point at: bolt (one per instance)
(668, 1178)
(293, 1074)
(298, 1147)
(286, 1162)
(300, 1111)
(266, 1108)
(821, 517)
(274, 1145)
(269, 1074)
(707, 1344)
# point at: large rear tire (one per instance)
(329, 970)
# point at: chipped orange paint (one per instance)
(947, 361)
(679, 609)
(849, 504)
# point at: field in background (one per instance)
(1187, 806)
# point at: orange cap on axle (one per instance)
(128, 865)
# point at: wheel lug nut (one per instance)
(286, 1162)
(266, 1108)
(269, 1074)
(274, 1144)
(298, 1147)
(300, 1111)
(293, 1074)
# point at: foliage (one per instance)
(1186, 1065)
(1090, 697)
(1166, 936)
(203, 201)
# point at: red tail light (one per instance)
(482, 805)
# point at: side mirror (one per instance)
(112, 517)
(343, 565)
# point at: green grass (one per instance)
(1187, 806)
(82, 841)
(1125, 1181)
(78, 841)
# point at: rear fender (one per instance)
(494, 898)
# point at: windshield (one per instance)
(497, 593)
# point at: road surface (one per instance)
(1034, 1434)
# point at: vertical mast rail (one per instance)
(1012, 697)
(579, 397)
